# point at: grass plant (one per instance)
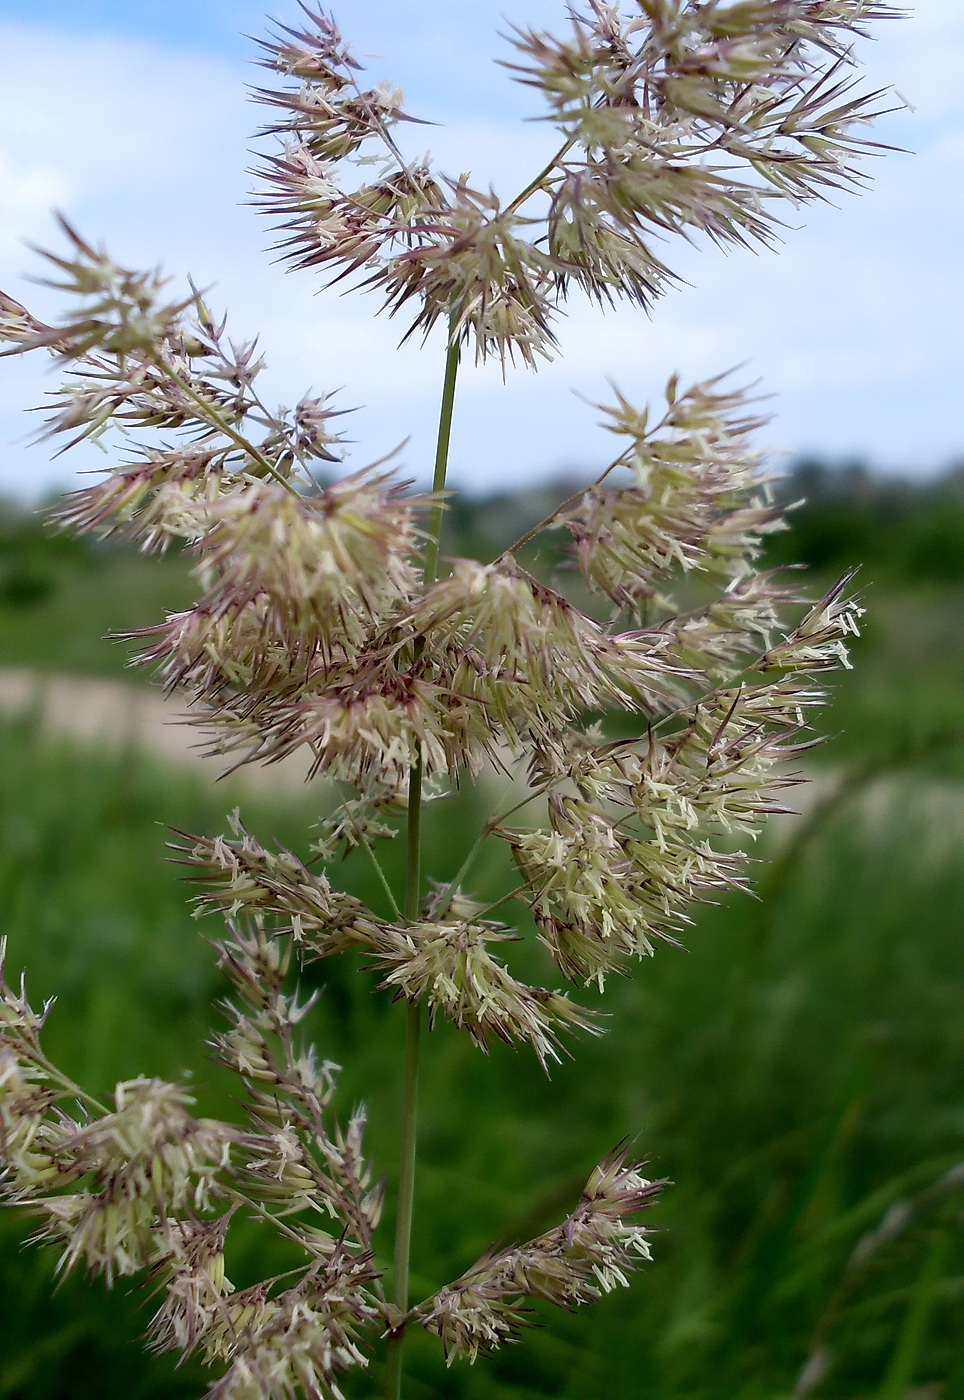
(800, 1067)
(325, 625)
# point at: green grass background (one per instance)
(797, 1071)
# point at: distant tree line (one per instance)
(899, 530)
(34, 557)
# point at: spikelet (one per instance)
(538, 658)
(297, 1342)
(592, 1252)
(158, 501)
(691, 119)
(339, 560)
(697, 502)
(448, 965)
(148, 1162)
(190, 1271)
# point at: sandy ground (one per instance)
(118, 715)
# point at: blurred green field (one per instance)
(798, 1071)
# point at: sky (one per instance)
(132, 117)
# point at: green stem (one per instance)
(40, 1059)
(540, 179)
(247, 1203)
(413, 869)
(217, 419)
(413, 892)
(406, 1198)
(442, 455)
(554, 514)
(476, 847)
(498, 903)
(382, 877)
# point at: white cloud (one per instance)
(27, 191)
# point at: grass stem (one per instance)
(413, 888)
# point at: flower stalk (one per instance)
(413, 892)
(322, 626)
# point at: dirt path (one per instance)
(118, 715)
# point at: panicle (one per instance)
(697, 504)
(190, 1271)
(622, 859)
(34, 1124)
(819, 641)
(240, 877)
(122, 313)
(295, 589)
(539, 659)
(219, 655)
(296, 1161)
(738, 624)
(358, 821)
(368, 726)
(136, 361)
(337, 561)
(481, 275)
(632, 823)
(319, 626)
(160, 500)
(145, 1163)
(592, 904)
(448, 965)
(328, 124)
(33, 1129)
(678, 119)
(686, 118)
(590, 1253)
(298, 1342)
(324, 228)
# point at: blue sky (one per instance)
(132, 118)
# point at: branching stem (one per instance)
(218, 421)
(539, 182)
(475, 849)
(257, 1208)
(382, 877)
(81, 1095)
(498, 903)
(553, 515)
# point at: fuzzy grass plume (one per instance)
(323, 624)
